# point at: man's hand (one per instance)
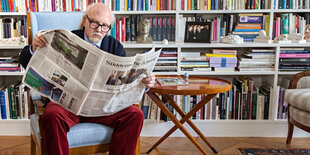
(149, 81)
(38, 41)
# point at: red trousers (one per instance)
(57, 122)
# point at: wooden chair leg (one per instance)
(33, 146)
(290, 126)
(290, 132)
(138, 147)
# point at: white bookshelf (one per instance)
(12, 126)
(211, 128)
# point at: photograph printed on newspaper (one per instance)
(84, 79)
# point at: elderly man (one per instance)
(57, 121)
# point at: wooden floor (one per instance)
(20, 145)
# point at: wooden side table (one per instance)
(197, 85)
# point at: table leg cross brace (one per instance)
(185, 118)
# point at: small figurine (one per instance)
(307, 33)
(186, 75)
(262, 38)
(144, 30)
(232, 39)
(282, 39)
(296, 38)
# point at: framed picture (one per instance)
(197, 32)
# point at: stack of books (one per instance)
(167, 62)
(193, 61)
(294, 59)
(257, 60)
(9, 64)
(249, 26)
(223, 60)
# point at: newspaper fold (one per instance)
(85, 80)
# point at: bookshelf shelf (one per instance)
(144, 12)
(16, 127)
(15, 121)
(12, 47)
(291, 10)
(227, 73)
(223, 11)
(156, 44)
(11, 73)
(221, 45)
(13, 14)
(287, 73)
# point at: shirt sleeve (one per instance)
(30, 50)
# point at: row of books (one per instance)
(12, 6)
(224, 4)
(143, 5)
(13, 102)
(281, 105)
(81, 5)
(126, 28)
(253, 102)
(244, 101)
(289, 23)
(58, 5)
(13, 27)
(294, 59)
(292, 4)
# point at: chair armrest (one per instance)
(38, 107)
(296, 77)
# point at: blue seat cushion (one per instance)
(82, 134)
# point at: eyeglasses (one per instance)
(95, 25)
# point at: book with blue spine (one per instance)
(247, 30)
(3, 105)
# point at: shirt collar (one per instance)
(95, 44)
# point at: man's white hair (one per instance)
(86, 13)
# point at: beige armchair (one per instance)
(298, 99)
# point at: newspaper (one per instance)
(84, 79)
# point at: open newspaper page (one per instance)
(72, 72)
(117, 83)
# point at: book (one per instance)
(2, 105)
(170, 81)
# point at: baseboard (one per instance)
(222, 128)
(226, 128)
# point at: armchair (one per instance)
(84, 138)
(298, 99)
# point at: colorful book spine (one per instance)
(247, 30)
(3, 105)
(305, 55)
(219, 55)
(251, 19)
(285, 24)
